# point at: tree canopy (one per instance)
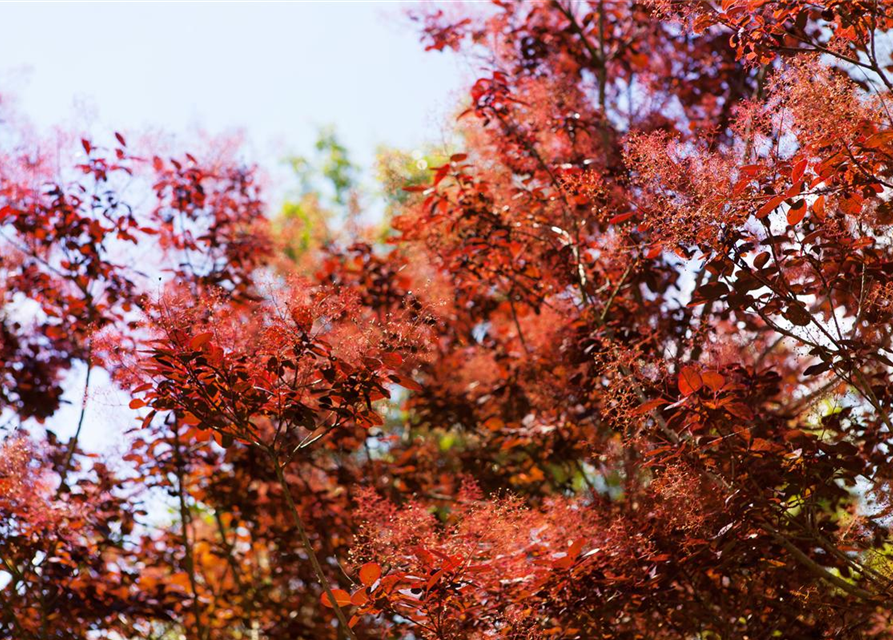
(614, 364)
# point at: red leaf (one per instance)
(878, 140)
(648, 407)
(818, 207)
(796, 212)
(797, 170)
(770, 206)
(621, 217)
(407, 383)
(136, 403)
(713, 380)
(342, 598)
(739, 410)
(148, 419)
(759, 444)
(433, 580)
(494, 424)
(689, 380)
(200, 340)
(392, 359)
(707, 292)
(658, 451)
(191, 419)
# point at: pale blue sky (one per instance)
(276, 70)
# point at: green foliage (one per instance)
(397, 168)
(327, 183)
(328, 172)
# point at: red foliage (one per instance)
(621, 369)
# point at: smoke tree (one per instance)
(615, 365)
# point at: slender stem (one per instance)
(816, 568)
(63, 474)
(615, 291)
(72, 444)
(308, 546)
(229, 548)
(517, 324)
(185, 521)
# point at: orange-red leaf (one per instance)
(878, 140)
(433, 580)
(494, 424)
(621, 217)
(647, 407)
(408, 383)
(796, 212)
(369, 573)
(342, 598)
(739, 410)
(797, 170)
(200, 340)
(769, 207)
(191, 419)
(392, 359)
(689, 380)
(713, 380)
(148, 419)
(818, 207)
